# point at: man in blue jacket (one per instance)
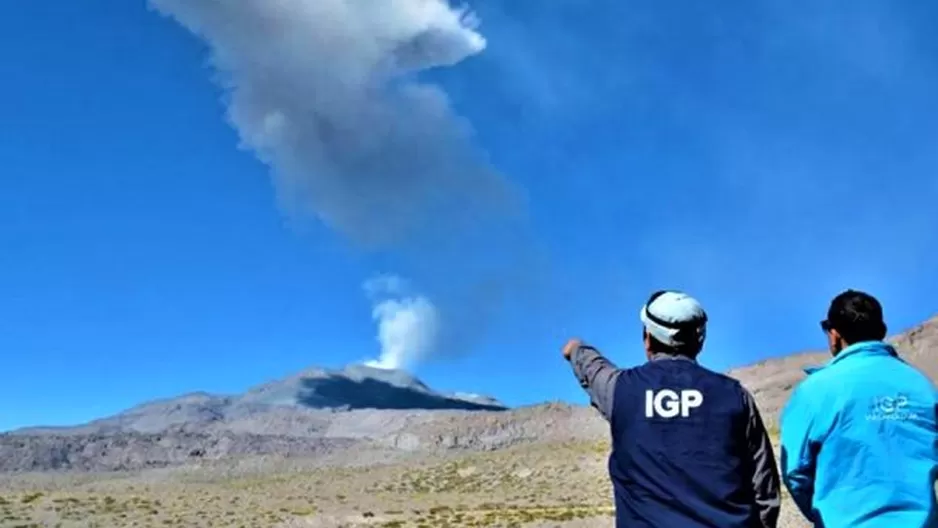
(859, 440)
(689, 449)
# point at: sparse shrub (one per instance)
(29, 498)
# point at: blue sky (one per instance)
(761, 155)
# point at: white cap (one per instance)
(675, 319)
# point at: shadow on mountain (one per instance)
(340, 392)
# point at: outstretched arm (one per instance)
(596, 374)
(765, 479)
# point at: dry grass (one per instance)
(561, 485)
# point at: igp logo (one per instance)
(666, 403)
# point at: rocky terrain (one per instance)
(772, 380)
(357, 447)
(313, 413)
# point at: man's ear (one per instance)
(646, 341)
(835, 341)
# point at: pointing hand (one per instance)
(571, 347)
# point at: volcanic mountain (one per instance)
(356, 387)
(359, 413)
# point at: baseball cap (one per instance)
(674, 318)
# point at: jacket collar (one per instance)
(861, 349)
(663, 356)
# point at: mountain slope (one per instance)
(305, 401)
(365, 413)
(771, 381)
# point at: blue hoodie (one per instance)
(860, 444)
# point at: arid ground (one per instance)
(544, 485)
(539, 466)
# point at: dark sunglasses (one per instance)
(826, 326)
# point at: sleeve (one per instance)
(765, 478)
(598, 376)
(800, 446)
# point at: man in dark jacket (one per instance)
(689, 448)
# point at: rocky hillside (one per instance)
(365, 413)
(304, 404)
(369, 433)
(359, 410)
(772, 380)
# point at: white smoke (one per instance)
(326, 93)
(408, 324)
(330, 94)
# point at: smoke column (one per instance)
(408, 324)
(327, 94)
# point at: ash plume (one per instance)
(332, 96)
(327, 93)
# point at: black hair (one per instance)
(857, 316)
